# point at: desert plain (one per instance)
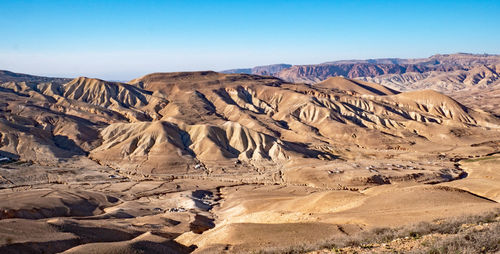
(208, 162)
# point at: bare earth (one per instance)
(206, 162)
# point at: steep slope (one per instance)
(35, 128)
(19, 141)
(131, 101)
(99, 92)
(436, 104)
(163, 147)
(232, 140)
(123, 101)
(44, 122)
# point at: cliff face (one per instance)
(387, 71)
(380, 67)
(317, 73)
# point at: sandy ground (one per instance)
(86, 211)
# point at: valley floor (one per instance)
(99, 209)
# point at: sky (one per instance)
(121, 40)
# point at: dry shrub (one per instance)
(460, 239)
(486, 240)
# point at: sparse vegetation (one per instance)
(464, 234)
(485, 239)
(481, 159)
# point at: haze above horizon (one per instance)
(121, 40)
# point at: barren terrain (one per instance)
(208, 162)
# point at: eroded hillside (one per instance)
(203, 160)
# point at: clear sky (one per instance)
(125, 39)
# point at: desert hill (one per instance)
(211, 162)
(486, 99)
(480, 81)
(245, 117)
(329, 113)
(477, 76)
(98, 92)
(55, 120)
(453, 74)
(131, 101)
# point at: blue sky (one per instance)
(124, 39)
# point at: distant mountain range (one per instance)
(457, 75)
(459, 63)
(268, 70)
(8, 76)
